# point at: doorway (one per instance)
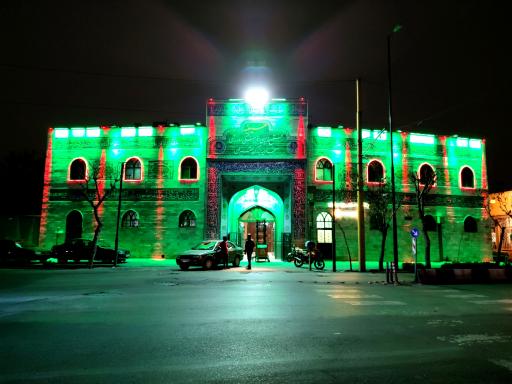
(260, 224)
(74, 221)
(252, 204)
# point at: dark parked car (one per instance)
(81, 249)
(206, 254)
(11, 252)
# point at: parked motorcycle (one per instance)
(301, 257)
(295, 252)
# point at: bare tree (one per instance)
(380, 214)
(95, 196)
(423, 183)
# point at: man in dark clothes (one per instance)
(249, 248)
(224, 251)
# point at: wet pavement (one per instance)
(148, 322)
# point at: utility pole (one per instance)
(390, 122)
(360, 193)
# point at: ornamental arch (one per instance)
(256, 209)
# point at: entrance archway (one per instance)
(252, 205)
(74, 221)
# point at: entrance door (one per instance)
(261, 225)
(73, 225)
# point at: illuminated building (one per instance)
(261, 170)
(500, 210)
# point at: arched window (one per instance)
(187, 219)
(324, 228)
(467, 178)
(133, 170)
(323, 170)
(77, 170)
(429, 223)
(188, 169)
(470, 225)
(375, 172)
(427, 174)
(130, 219)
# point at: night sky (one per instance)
(75, 63)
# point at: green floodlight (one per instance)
(257, 97)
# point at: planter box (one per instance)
(464, 274)
(497, 275)
(428, 276)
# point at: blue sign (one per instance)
(415, 232)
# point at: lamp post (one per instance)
(116, 248)
(361, 248)
(390, 122)
(333, 218)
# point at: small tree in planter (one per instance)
(423, 183)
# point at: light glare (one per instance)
(257, 97)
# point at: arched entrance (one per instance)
(260, 223)
(260, 212)
(74, 221)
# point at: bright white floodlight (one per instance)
(257, 97)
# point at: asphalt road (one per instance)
(162, 325)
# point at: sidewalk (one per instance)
(342, 268)
(256, 265)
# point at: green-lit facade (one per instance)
(261, 170)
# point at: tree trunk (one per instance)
(427, 249)
(346, 244)
(95, 243)
(384, 233)
(500, 244)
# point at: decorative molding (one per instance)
(288, 108)
(105, 142)
(154, 166)
(431, 200)
(299, 203)
(265, 167)
(132, 194)
(213, 204)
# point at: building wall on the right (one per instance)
(451, 202)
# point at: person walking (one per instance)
(249, 248)
(224, 251)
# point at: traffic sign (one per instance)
(415, 232)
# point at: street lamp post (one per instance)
(361, 248)
(333, 218)
(118, 213)
(390, 122)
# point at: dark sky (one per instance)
(124, 62)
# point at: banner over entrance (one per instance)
(238, 130)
